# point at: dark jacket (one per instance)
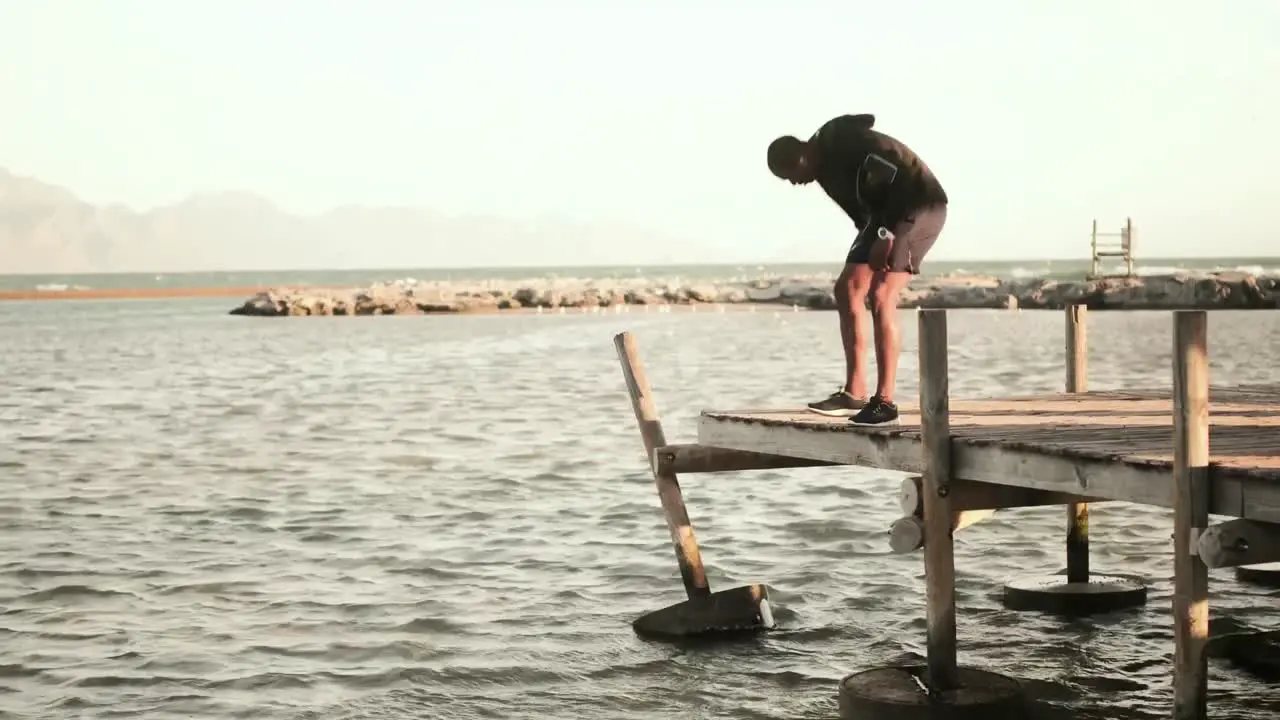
(873, 177)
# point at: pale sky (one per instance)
(1036, 116)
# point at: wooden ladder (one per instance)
(1105, 245)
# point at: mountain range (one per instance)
(45, 228)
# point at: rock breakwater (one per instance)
(1226, 290)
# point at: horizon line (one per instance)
(1085, 259)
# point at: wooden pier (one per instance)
(1106, 445)
(1197, 449)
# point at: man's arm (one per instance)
(877, 176)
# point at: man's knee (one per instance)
(850, 294)
(884, 297)
(836, 291)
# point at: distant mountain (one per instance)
(47, 229)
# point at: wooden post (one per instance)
(688, 556)
(1190, 513)
(939, 558)
(1077, 382)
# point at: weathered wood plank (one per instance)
(969, 495)
(1236, 492)
(1085, 412)
(1110, 445)
(886, 449)
(683, 541)
(694, 458)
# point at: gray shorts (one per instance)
(913, 237)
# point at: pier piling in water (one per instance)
(947, 690)
(1076, 591)
(1190, 513)
(939, 560)
(1077, 382)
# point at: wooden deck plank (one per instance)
(1112, 444)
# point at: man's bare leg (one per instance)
(855, 326)
(850, 291)
(895, 255)
(885, 294)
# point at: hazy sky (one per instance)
(1036, 116)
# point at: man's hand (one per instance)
(881, 250)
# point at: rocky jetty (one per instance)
(1227, 290)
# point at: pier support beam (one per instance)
(1077, 591)
(694, 458)
(969, 495)
(1190, 513)
(704, 612)
(971, 503)
(940, 689)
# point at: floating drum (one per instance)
(743, 609)
(1076, 590)
(901, 693)
(1265, 574)
(1057, 594)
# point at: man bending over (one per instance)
(898, 208)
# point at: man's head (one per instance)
(793, 160)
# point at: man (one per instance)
(898, 208)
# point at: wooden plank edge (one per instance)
(1235, 494)
(844, 448)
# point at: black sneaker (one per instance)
(877, 412)
(839, 404)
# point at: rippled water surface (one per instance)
(446, 517)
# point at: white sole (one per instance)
(833, 413)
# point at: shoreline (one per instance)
(134, 293)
